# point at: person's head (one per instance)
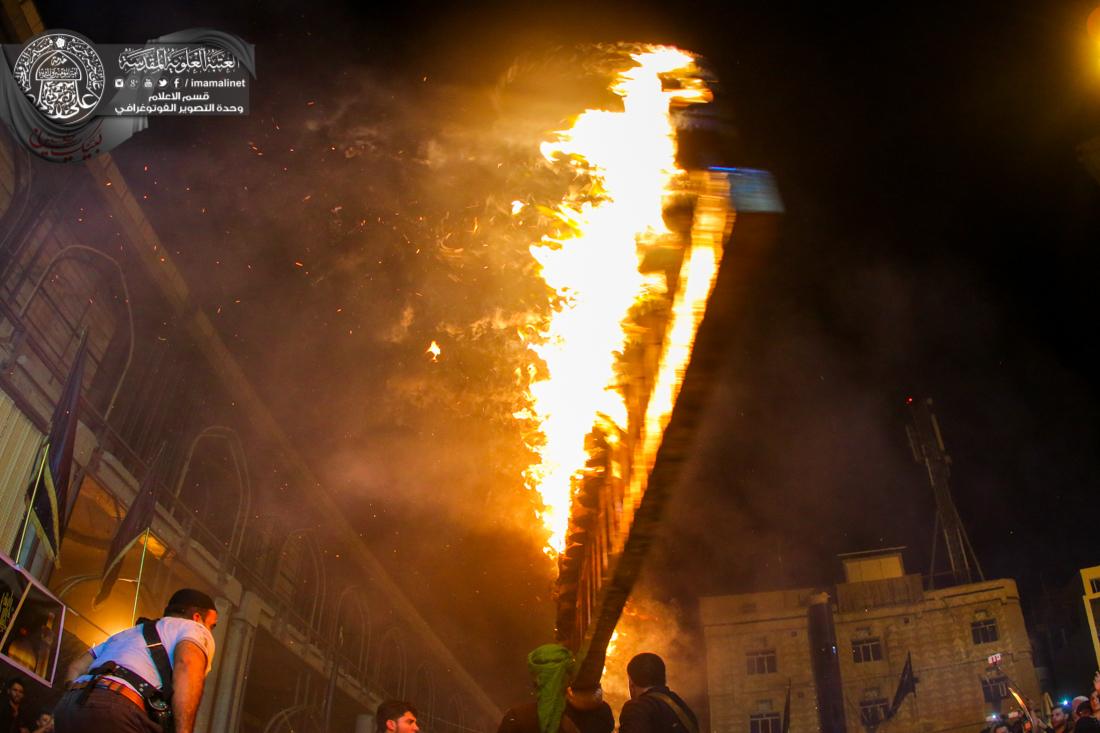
(396, 716)
(193, 604)
(1086, 724)
(17, 690)
(644, 671)
(1000, 727)
(1059, 716)
(1094, 702)
(1082, 708)
(43, 720)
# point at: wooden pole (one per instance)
(141, 570)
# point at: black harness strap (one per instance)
(680, 713)
(159, 655)
(111, 669)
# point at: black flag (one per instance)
(48, 492)
(139, 517)
(787, 709)
(907, 684)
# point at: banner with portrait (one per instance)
(31, 620)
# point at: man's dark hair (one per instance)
(1084, 708)
(391, 710)
(646, 670)
(186, 602)
(15, 681)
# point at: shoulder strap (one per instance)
(159, 655)
(685, 719)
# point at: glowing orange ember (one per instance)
(593, 266)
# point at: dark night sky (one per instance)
(940, 239)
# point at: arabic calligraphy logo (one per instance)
(62, 74)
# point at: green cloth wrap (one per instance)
(551, 666)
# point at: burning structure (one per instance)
(285, 564)
(636, 260)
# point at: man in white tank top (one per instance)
(102, 697)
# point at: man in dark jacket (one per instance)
(652, 707)
(13, 718)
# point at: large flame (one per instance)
(592, 264)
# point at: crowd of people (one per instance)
(1080, 715)
(14, 715)
(150, 677)
(558, 708)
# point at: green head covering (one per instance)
(551, 666)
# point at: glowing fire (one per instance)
(592, 264)
(646, 625)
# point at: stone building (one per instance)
(758, 643)
(302, 601)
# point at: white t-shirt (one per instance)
(127, 648)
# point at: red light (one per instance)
(908, 400)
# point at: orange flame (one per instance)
(628, 157)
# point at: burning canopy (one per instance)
(632, 259)
(602, 262)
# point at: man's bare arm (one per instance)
(188, 677)
(78, 666)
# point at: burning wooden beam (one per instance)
(631, 472)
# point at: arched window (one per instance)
(453, 717)
(300, 580)
(214, 484)
(423, 692)
(389, 674)
(352, 631)
(79, 288)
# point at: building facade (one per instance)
(1090, 581)
(759, 643)
(313, 633)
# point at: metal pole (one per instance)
(330, 688)
(30, 507)
(141, 569)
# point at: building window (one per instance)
(873, 711)
(984, 630)
(1094, 583)
(995, 689)
(761, 662)
(866, 650)
(764, 723)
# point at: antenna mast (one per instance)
(927, 443)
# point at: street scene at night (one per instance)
(549, 368)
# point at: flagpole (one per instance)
(141, 569)
(30, 507)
